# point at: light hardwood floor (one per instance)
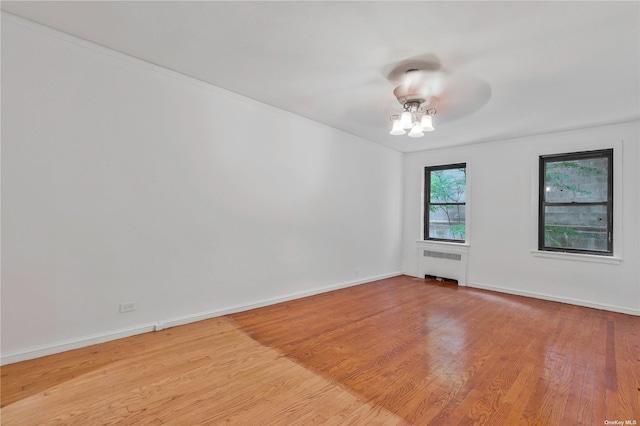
(392, 352)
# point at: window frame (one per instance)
(607, 153)
(427, 200)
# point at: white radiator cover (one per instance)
(445, 260)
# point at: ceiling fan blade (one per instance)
(463, 95)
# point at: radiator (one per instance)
(448, 263)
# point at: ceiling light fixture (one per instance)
(414, 117)
(415, 95)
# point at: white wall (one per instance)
(122, 182)
(503, 218)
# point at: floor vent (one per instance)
(442, 279)
(442, 255)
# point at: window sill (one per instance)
(577, 257)
(461, 247)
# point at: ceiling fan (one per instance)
(423, 87)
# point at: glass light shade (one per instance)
(426, 123)
(397, 128)
(406, 120)
(416, 130)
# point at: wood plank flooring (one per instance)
(392, 352)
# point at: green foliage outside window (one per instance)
(447, 189)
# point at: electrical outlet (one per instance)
(127, 307)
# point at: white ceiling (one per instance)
(540, 66)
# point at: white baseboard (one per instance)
(186, 319)
(80, 342)
(75, 343)
(553, 298)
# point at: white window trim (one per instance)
(455, 247)
(580, 257)
(617, 257)
(467, 222)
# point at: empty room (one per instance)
(320, 212)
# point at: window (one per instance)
(576, 203)
(445, 202)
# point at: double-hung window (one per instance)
(576, 203)
(445, 202)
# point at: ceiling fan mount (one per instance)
(416, 87)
